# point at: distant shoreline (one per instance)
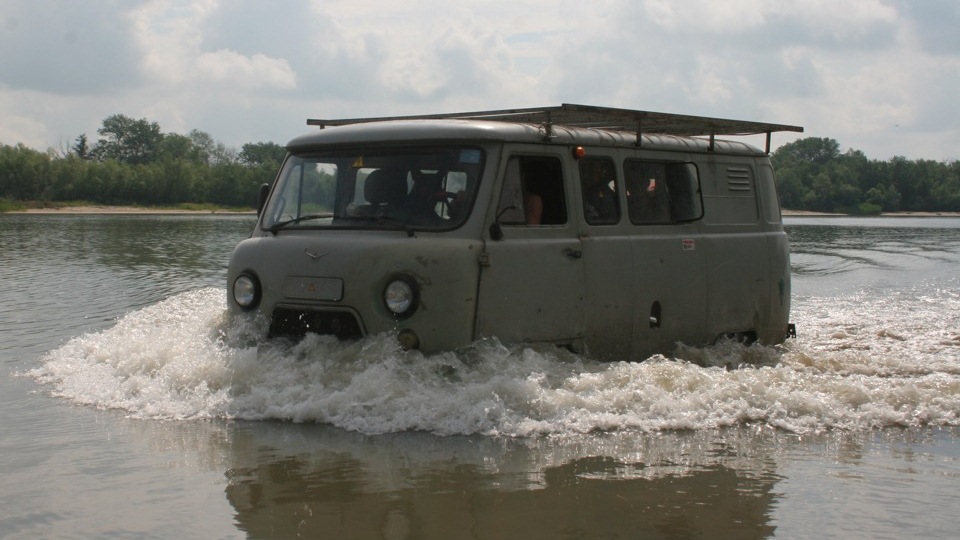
(809, 213)
(131, 210)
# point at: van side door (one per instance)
(531, 277)
(608, 270)
(664, 206)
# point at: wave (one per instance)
(859, 363)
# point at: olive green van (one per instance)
(615, 233)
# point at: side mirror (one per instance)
(496, 232)
(262, 197)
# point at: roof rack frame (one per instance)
(603, 118)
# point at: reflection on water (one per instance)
(333, 483)
(284, 480)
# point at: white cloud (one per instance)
(412, 71)
(841, 20)
(706, 15)
(20, 128)
(171, 38)
(877, 75)
(715, 85)
(169, 35)
(233, 70)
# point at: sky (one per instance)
(878, 76)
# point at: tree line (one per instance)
(813, 175)
(134, 163)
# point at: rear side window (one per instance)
(660, 192)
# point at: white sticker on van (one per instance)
(688, 244)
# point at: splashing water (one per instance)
(182, 359)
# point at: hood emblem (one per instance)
(315, 256)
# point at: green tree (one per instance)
(813, 175)
(203, 146)
(129, 141)
(134, 163)
(261, 153)
(24, 173)
(810, 150)
(81, 147)
(176, 146)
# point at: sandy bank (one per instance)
(807, 213)
(94, 209)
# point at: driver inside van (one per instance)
(533, 207)
(426, 193)
(543, 199)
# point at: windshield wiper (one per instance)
(277, 226)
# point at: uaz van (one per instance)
(615, 233)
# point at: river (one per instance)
(131, 408)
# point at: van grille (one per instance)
(296, 323)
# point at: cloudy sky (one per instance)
(880, 76)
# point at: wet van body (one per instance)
(522, 226)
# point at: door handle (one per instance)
(573, 253)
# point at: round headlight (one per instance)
(246, 292)
(400, 297)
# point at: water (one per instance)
(133, 409)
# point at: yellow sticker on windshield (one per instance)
(358, 163)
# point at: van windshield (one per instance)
(422, 188)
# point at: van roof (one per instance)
(640, 123)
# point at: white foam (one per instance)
(851, 368)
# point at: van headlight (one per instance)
(246, 291)
(400, 296)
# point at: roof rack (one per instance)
(606, 118)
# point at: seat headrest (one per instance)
(385, 186)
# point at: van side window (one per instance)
(662, 192)
(533, 192)
(598, 183)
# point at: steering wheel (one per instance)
(446, 199)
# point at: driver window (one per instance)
(533, 192)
